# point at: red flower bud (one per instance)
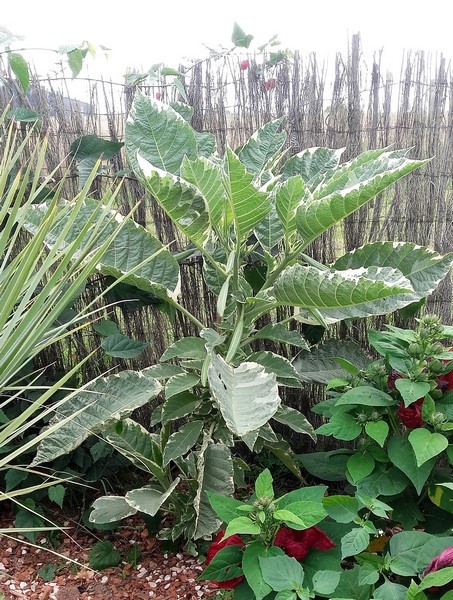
(233, 540)
(244, 65)
(445, 559)
(298, 543)
(270, 84)
(158, 95)
(411, 416)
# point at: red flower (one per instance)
(157, 95)
(446, 381)
(445, 559)
(393, 376)
(298, 543)
(411, 416)
(233, 540)
(270, 84)
(244, 65)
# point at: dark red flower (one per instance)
(270, 84)
(445, 559)
(446, 381)
(244, 65)
(233, 540)
(298, 543)
(411, 416)
(393, 376)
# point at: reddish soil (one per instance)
(157, 575)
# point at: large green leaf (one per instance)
(215, 474)
(274, 363)
(319, 365)
(349, 188)
(262, 147)
(19, 67)
(279, 333)
(159, 134)
(338, 295)
(149, 499)
(402, 456)
(312, 165)
(181, 200)
(206, 176)
(102, 401)
(131, 246)
(89, 146)
(247, 395)
(181, 441)
(247, 205)
(252, 570)
(109, 509)
(269, 231)
(295, 420)
(424, 268)
(288, 196)
(135, 443)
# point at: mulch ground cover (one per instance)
(157, 574)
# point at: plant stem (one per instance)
(186, 313)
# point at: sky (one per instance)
(140, 33)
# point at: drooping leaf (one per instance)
(360, 465)
(247, 396)
(109, 509)
(224, 565)
(137, 444)
(330, 466)
(19, 67)
(411, 391)
(149, 499)
(274, 363)
(226, 508)
(181, 200)
(390, 591)
(215, 474)
(75, 61)
(342, 509)
(131, 246)
(206, 176)
(179, 406)
(262, 147)
(180, 383)
(378, 431)
(365, 395)
(350, 187)
(103, 401)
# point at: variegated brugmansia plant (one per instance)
(250, 204)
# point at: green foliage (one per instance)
(103, 555)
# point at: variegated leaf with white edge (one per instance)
(181, 200)
(351, 186)
(102, 401)
(109, 509)
(247, 395)
(148, 499)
